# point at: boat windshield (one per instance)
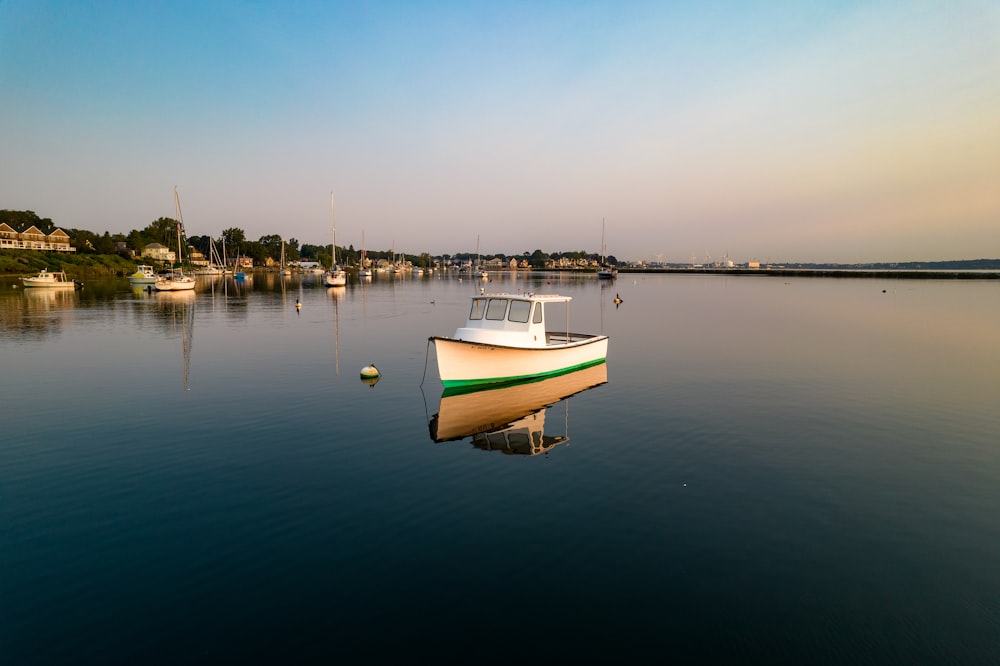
(519, 311)
(478, 308)
(496, 309)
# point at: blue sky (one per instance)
(777, 131)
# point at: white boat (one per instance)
(364, 271)
(506, 414)
(605, 272)
(216, 266)
(283, 271)
(509, 337)
(477, 270)
(143, 275)
(175, 280)
(51, 280)
(336, 276)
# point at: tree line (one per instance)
(163, 230)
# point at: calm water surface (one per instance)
(765, 471)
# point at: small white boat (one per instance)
(336, 276)
(51, 280)
(364, 270)
(509, 337)
(143, 275)
(604, 271)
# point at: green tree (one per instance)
(105, 245)
(538, 259)
(272, 244)
(234, 239)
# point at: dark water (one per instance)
(802, 471)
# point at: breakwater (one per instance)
(889, 274)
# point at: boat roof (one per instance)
(530, 296)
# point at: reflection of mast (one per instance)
(336, 293)
(180, 308)
(187, 339)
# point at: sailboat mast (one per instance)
(603, 246)
(333, 226)
(177, 216)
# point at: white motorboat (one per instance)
(51, 280)
(143, 275)
(509, 337)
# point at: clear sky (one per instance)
(773, 131)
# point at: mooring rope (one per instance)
(427, 353)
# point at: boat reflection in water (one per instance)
(510, 418)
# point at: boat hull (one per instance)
(490, 408)
(47, 284)
(462, 363)
(335, 280)
(184, 284)
(49, 280)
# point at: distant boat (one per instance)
(605, 272)
(336, 276)
(143, 275)
(216, 266)
(51, 280)
(364, 271)
(508, 338)
(477, 270)
(175, 280)
(283, 271)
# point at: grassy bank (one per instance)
(26, 262)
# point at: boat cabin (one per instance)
(516, 320)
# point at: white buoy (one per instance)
(298, 306)
(370, 371)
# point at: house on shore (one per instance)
(33, 238)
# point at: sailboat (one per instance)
(478, 268)
(216, 266)
(283, 271)
(176, 280)
(605, 272)
(335, 277)
(364, 271)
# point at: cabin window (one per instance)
(496, 309)
(478, 307)
(519, 311)
(538, 314)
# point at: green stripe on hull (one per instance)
(459, 383)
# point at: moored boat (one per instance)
(508, 337)
(143, 275)
(51, 280)
(336, 276)
(175, 280)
